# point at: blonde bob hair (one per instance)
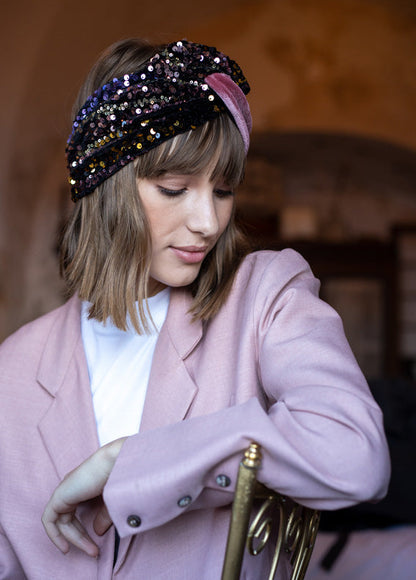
(106, 245)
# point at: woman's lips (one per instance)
(189, 254)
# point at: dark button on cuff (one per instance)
(134, 521)
(184, 501)
(223, 480)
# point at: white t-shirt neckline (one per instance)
(119, 364)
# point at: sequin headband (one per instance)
(178, 89)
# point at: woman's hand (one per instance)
(83, 483)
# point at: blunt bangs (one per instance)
(217, 143)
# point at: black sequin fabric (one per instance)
(128, 116)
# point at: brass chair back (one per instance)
(276, 518)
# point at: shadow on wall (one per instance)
(330, 186)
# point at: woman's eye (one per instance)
(171, 192)
(223, 192)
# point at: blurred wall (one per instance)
(314, 65)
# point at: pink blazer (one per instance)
(273, 366)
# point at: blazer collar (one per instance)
(171, 388)
(68, 428)
(61, 345)
(184, 332)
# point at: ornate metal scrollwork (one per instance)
(297, 529)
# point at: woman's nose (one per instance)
(203, 218)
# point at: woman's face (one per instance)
(186, 214)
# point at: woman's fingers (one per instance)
(63, 528)
(74, 532)
(49, 521)
(102, 521)
(56, 537)
(66, 530)
(84, 483)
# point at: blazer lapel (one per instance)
(171, 388)
(68, 428)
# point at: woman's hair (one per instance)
(106, 245)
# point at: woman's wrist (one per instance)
(111, 451)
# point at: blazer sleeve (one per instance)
(321, 431)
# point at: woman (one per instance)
(176, 349)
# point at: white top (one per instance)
(119, 364)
